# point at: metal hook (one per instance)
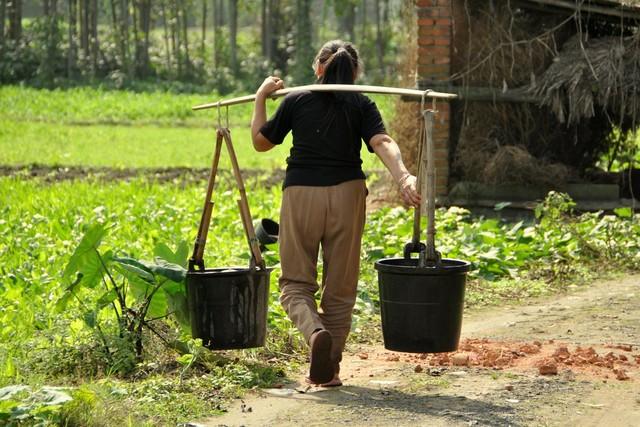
(424, 95)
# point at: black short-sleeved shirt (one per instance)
(328, 130)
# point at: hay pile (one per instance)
(589, 74)
(551, 143)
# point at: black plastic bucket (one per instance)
(228, 307)
(421, 307)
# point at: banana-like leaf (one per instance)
(88, 246)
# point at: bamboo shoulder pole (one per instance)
(412, 93)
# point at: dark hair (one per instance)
(340, 61)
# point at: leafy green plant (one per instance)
(20, 405)
(138, 293)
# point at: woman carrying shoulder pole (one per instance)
(323, 201)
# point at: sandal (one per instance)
(322, 369)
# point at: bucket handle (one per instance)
(196, 260)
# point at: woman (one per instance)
(323, 202)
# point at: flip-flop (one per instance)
(335, 382)
(322, 369)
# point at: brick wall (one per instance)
(434, 65)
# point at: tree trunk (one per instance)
(379, 39)
(363, 32)
(3, 12)
(216, 33)
(15, 20)
(347, 19)
(51, 19)
(72, 54)
(175, 35)
(185, 36)
(204, 30)
(272, 39)
(84, 30)
(124, 36)
(143, 18)
(303, 52)
(263, 28)
(165, 27)
(95, 47)
(233, 34)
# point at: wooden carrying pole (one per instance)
(411, 93)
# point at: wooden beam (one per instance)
(619, 11)
(487, 94)
(411, 93)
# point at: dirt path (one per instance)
(591, 337)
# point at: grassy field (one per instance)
(91, 127)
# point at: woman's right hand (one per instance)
(408, 190)
(270, 85)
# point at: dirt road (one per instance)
(591, 336)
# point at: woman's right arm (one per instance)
(389, 152)
(259, 118)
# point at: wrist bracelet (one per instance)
(403, 178)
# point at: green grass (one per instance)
(124, 129)
(97, 106)
(23, 143)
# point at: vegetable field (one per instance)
(64, 355)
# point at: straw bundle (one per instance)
(588, 74)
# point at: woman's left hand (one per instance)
(409, 191)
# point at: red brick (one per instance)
(442, 21)
(434, 30)
(426, 21)
(434, 12)
(442, 42)
(433, 69)
(442, 60)
(436, 51)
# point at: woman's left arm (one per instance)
(388, 151)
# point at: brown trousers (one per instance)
(331, 217)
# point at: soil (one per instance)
(570, 360)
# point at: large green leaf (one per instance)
(90, 317)
(93, 267)
(169, 270)
(177, 304)
(138, 287)
(178, 257)
(158, 306)
(106, 299)
(87, 247)
(136, 267)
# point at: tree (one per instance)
(3, 11)
(203, 30)
(185, 37)
(143, 15)
(345, 10)
(72, 34)
(94, 45)
(15, 19)
(380, 44)
(303, 48)
(233, 34)
(48, 60)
